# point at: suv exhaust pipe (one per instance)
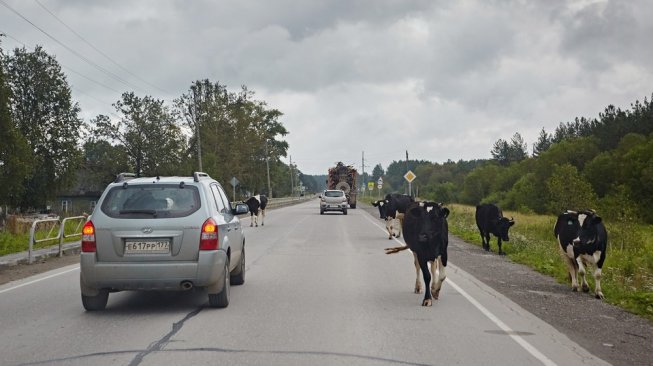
(186, 285)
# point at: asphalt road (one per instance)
(319, 290)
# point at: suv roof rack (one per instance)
(198, 175)
(123, 177)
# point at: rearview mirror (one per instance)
(240, 209)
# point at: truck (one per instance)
(343, 177)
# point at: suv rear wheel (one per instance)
(97, 302)
(221, 299)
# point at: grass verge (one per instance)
(627, 279)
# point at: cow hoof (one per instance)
(574, 289)
(436, 294)
(427, 302)
(502, 253)
(599, 296)
(390, 238)
(262, 224)
(418, 290)
(250, 225)
(586, 288)
(486, 249)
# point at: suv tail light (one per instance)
(209, 235)
(88, 238)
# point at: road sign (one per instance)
(234, 182)
(379, 186)
(410, 176)
(370, 185)
(380, 181)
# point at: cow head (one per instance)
(428, 217)
(503, 225)
(381, 205)
(589, 222)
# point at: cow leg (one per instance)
(256, 220)
(597, 284)
(418, 283)
(263, 217)
(437, 268)
(581, 272)
(388, 226)
(400, 216)
(486, 243)
(499, 244)
(482, 239)
(426, 274)
(572, 266)
(251, 219)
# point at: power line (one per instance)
(100, 68)
(67, 67)
(98, 50)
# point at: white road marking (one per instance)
(518, 339)
(38, 280)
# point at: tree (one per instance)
(542, 144)
(569, 190)
(501, 152)
(15, 155)
(45, 114)
(148, 133)
(103, 161)
(377, 172)
(239, 136)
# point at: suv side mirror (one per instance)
(240, 209)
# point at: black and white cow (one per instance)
(490, 220)
(426, 233)
(394, 207)
(256, 203)
(381, 205)
(583, 239)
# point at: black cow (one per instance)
(583, 239)
(255, 203)
(490, 220)
(381, 205)
(426, 232)
(394, 207)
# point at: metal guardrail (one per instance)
(61, 235)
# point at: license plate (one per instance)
(147, 246)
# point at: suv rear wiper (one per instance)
(141, 211)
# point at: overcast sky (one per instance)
(441, 79)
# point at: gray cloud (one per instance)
(442, 79)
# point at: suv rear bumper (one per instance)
(333, 206)
(208, 270)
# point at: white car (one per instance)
(333, 200)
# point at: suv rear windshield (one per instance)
(148, 201)
(334, 193)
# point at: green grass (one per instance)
(627, 279)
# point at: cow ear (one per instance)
(445, 212)
(597, 219)
(511, 222)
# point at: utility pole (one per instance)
(407, 189)
(267, 165)
(292, 181)
(363, 174)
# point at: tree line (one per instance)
(603, 163)
(46, 148)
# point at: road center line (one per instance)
(38, 280)
(518, 339)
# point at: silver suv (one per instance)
(162, 233)
(333, 200)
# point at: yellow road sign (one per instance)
(410, 176)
